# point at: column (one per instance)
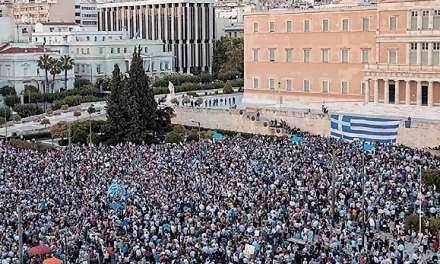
(179, 36)
(419, 93)
(153, 21)
(407, 92)
(376, 91)
(408, 53)
(188, 43)
(419, 19)
(165, 16)
(104, 24)
(172, 24)
(197, 44)
(117, 18)
(141, 21)
(123, 16)
(430, 93)
(135, 19)
(367, 91)
(386, 88)
(431, 19)
(159, 23)
(211, 36)
(204, 64)
(397, 91)
(112, 22)
(129, 19)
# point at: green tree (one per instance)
(7, 114)
(431, 178)
(12, 100)
(227, 89)
(7, 90)
(228, 57)
(117, 108)
(55, 69)
(67, 64)
(44, 63)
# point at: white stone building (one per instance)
(184, 27)
(86, 13)
(19, 67)
(95, 53)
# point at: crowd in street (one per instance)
(236, 200)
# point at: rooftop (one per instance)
(18, 50)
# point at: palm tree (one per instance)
(66, 64)
(44, 63)
(55, 68)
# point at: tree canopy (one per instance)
(229, 56)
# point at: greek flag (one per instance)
(114, 189)
(383, 130)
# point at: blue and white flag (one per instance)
(114, 189)
(383, 130)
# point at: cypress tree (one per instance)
(143, 110)
(117, 109)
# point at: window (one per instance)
(413, 53)
(325, 25)
(306, 86)
(392, 56)
(289, 26)
(101, 50)
(344, 87)
(425, 19)
(125, 50)
(255, 83)
(363, 88)
(288, 85)
(306, 57)
(345, 25)
(436, 53)
(272, 84)
(436, 20)
(111, 50)
(306, 26)
(256, 27)
(424, 53)
(325, 55)
(393, 23)
(289, 55)
(325, 86)
(271, 26)
(344, 56)
(272, 55)
(414, 15)
(98, 68)
(118, 50)
(366, 56)
(255, 55)
(366, 24)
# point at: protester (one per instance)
(236, 200)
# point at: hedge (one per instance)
(27, 110)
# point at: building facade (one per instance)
(19, 67)
(29, 11)
(378, 53)
(185, 27)
(95, 52)
(86, 13)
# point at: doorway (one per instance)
(392, 93)
(424, 95)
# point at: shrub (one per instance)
(7, 90)
(431, 178)
(175, 101)
(179, 129)
(434, 225)
(186, 99)
(77, 113)
(78, 83)
(199, 101)
(173, 137)
(49, 111)
(17, 119)
(30, 89)
(207, 134)
(27, 110)
(12, 100)
(227, 89)
(65, 107)
(2, 121)
(45, 122)
(193, 135)
(8, 113)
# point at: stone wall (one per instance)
(423, 133)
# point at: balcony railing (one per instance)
(402, 68)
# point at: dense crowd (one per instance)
(258, 200)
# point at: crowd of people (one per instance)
(236, 200)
